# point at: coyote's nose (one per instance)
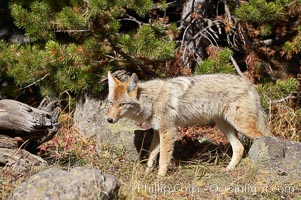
(110, 120)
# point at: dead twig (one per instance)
(72, 31)
(133, 19)
(39, 80)
(236, 66)
(292, 95)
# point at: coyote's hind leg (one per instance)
(236, 145)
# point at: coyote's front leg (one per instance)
(154, 151)
(167, 139)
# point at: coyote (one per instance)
(229, 101)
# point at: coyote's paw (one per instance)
(230, 168)
(162, 173)
(148, 170)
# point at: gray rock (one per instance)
(20, 160)
(89, 115)
(127, 136)
(275, 154)
(89, 120)
(57, 184)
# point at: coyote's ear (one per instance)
(132, 85)
(111, 80)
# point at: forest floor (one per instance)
(201, 177)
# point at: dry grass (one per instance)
(282, 102)
(201, 177)
(286, 122)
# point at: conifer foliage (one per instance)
(71, 43)
(272, 31)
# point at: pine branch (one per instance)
(134, 64)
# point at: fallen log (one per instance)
(23, 126)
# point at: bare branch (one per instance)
(172, 4)
(236, 66)
(267, 42)
(227, 11)
(133, 19)
(27, 86)
(72, 31)
(292, 95)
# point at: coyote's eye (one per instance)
(122, 104)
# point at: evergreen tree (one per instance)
(272, 30)
(72, 43)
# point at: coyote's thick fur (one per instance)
(230, 101)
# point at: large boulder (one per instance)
(126, 135)
(277, 155)
(89, 120)
(89, 116)
(56, 184)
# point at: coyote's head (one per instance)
(122, 97)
